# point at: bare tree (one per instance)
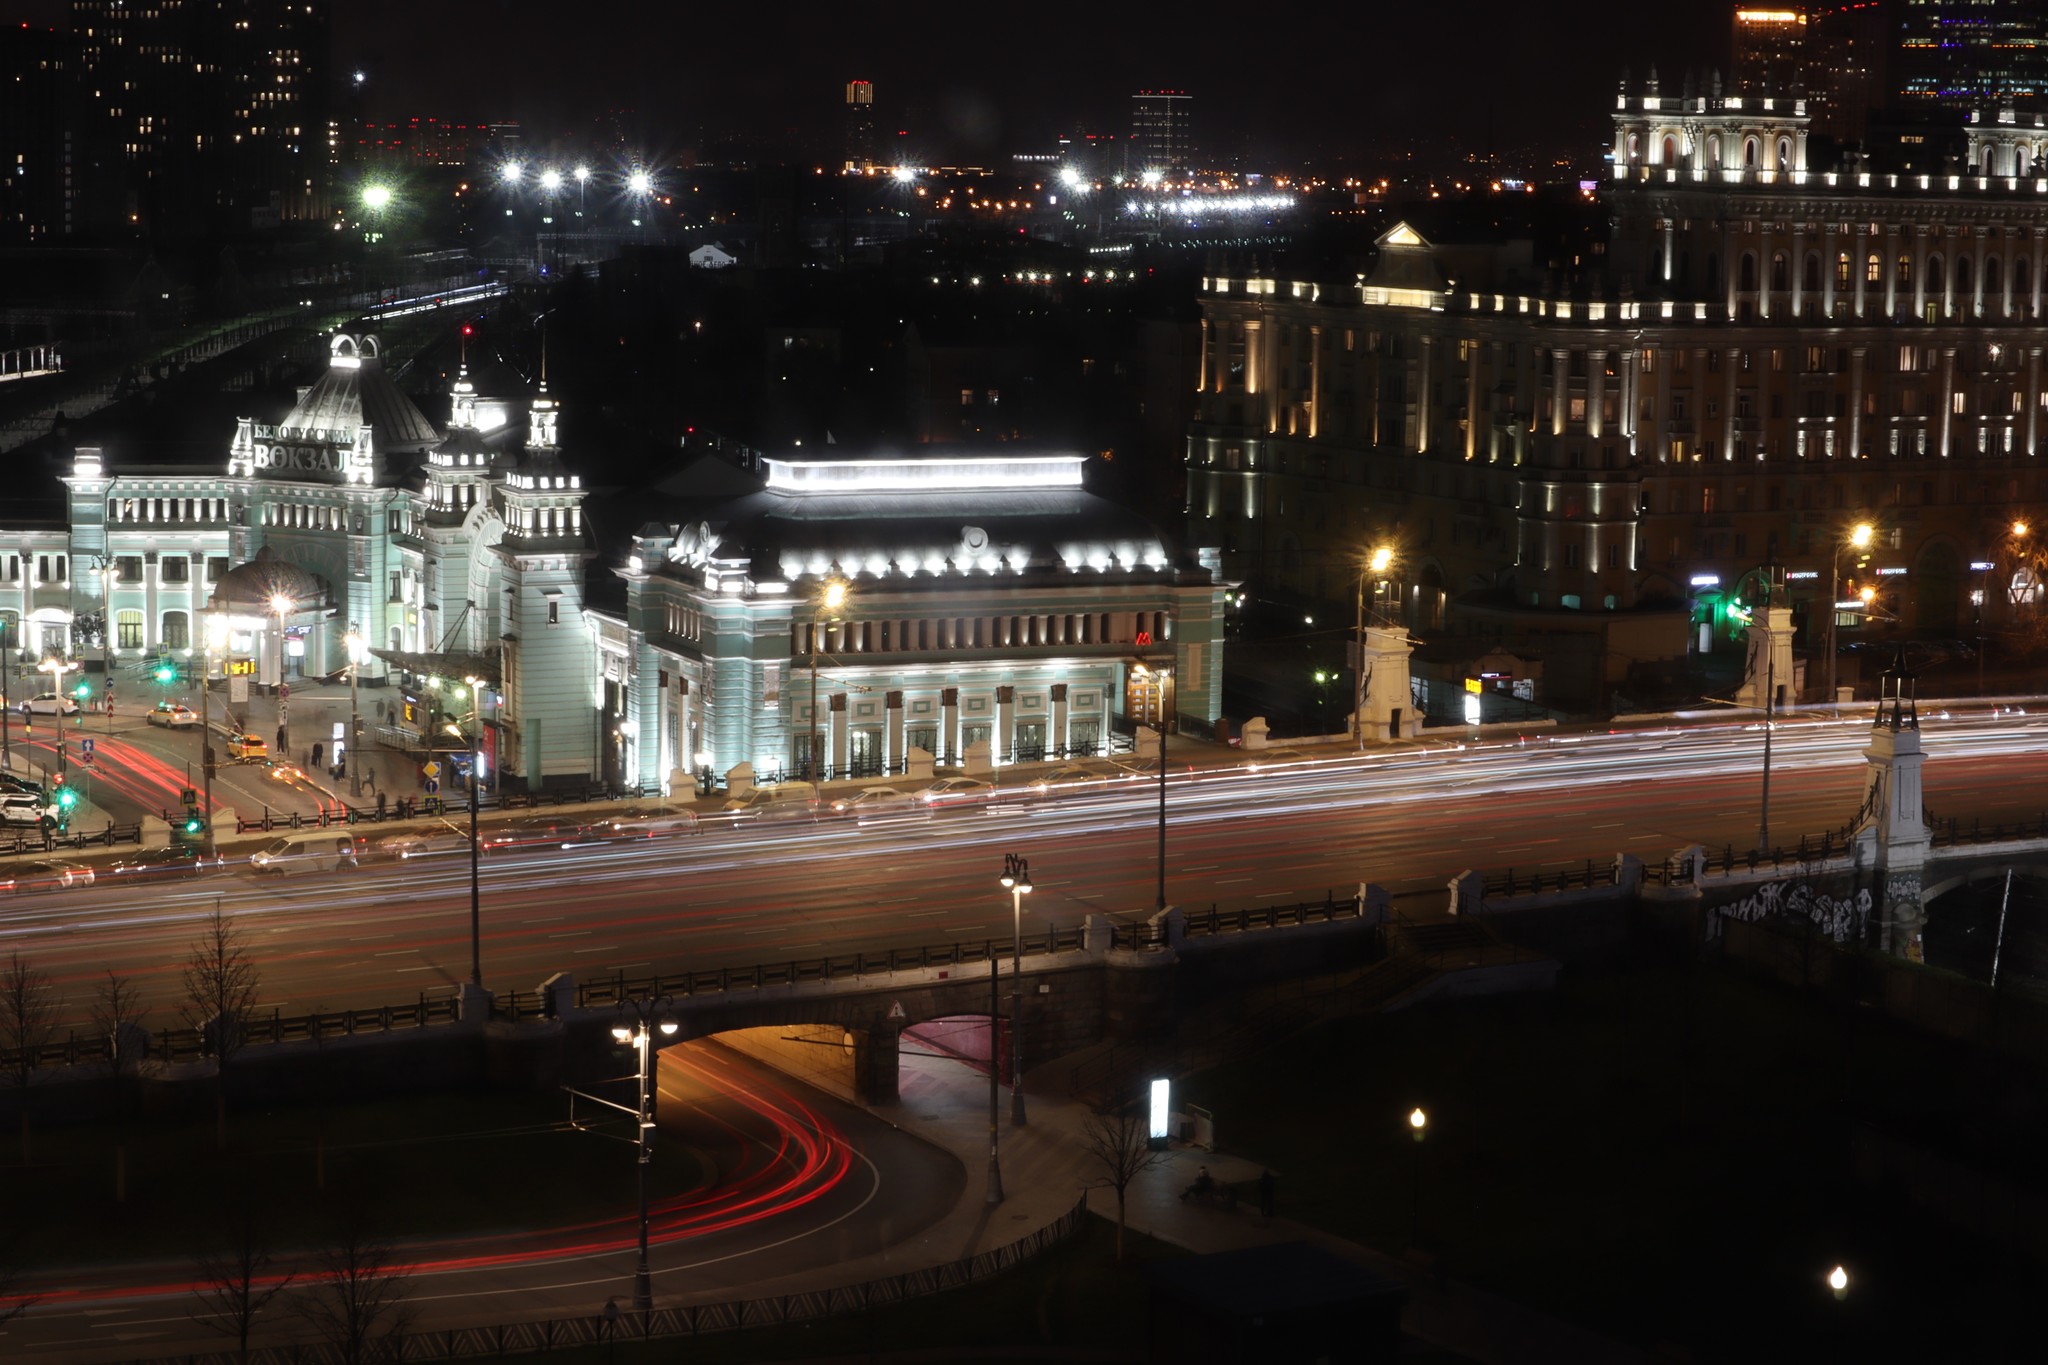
(220, 995)
(28, 1013)
(117, 1015)
(235, 1281)
(358, 1304)
(1120, 1149)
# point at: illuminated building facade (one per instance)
(989, 598)
(430, 545)
(1162, 133)
(1768, 352)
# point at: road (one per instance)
(800, 1182)
(740, 896)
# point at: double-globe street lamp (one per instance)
(474, 737)
(1859, 538)
(831, 598)
(1016, 880)
(1377, 563)
(638, 1022)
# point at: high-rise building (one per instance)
(1848, 63)
(1769, 50)
(860, 126)
(1967, 54)
(203, 113)
(36, 134)
(1161, 132)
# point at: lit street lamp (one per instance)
(57, 668)
(1016, 880)
(1418, 1125)
(282, 605)
(353, 642)
(647, 1016)
(474, 738)
(1859, 539)
(1377, 563)
(582, 185)
(1838, 1282)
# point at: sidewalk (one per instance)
(1046, 1168)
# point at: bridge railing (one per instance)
(456, 802)
(47, 841)
(1952, 833)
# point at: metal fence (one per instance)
(48, 841)
(597, 1330)
(411, 808)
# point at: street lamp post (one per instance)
(282, 605)
(353, 642)
(1017, 880)
(209, 627)
(1418, 1124)
(1859, 538)
(57, 668)
(995, 1107)
(830, 600)
(1763, 832)
(6, 702)
(647, 1016)
(1378, 562)
(474, 736)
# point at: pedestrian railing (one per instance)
(595, 1331)
(47, 841)
(413, 807)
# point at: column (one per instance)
(152, 629)
(949, 726)
(1315, 380)
(892, 731)
(1631, 400)
(1919, 274)
(1560, 379)
(1798, 280)
(1596, 389)
(1856, 354)
(1476, 417)
(2033, 400)
(1056, 740)
(1888, 270)
(1831, 252)
(1425, 414)
(1977, 278)
(841, 734)
(1763, 269)
(1003, 744)
(1948, 386)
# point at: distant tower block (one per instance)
(1389, 711)
(860, 127)
(1768, 676)
(1891, 836)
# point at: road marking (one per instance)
(607, 948)
(1616, 825)
(403, 970)
(573, 933)
(545, 919)
(399, 952)
(369, 938)
(1226, 881)
(922, 914)
(1205, 867)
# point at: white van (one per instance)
(310, 851)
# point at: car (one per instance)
(26, 809)
(247, 747)
(49, 704)
(953, 791)
(10, 783)
(172, 860)
(306, 851)
(422, 843)
(539, 831)
(1067, 779)
(880, 803)
(172, 715)
(49, 874)
(790, 801)
(648, 824)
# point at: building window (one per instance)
(128, 568)
(128, 630)
(216, 568)
(177, 569)
(177, 630)
(967, 398)
(554, 611)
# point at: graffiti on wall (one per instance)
(1841, 918)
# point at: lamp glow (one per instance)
(510, 172)
(551, 180)
(582, 174)
(904, 174)
(1382, 558)
(640, 182)
(376, 196)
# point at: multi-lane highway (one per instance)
(735, 896)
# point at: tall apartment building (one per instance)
(1590, 475)
(37, 137)
(1769, 49)
(202, 113)
(859, 127)
(1162, 137)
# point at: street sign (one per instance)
(238, 690)
(432, 786)
(284, 690)
(430, 770)
(85, 749)
(896, 1010)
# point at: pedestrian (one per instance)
(1205, 1185)
(318, 749)
(380, 805)
(370, 777)
(1266, 1184)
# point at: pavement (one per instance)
(1046, 1168)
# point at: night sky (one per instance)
(979, 81)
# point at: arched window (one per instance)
(1962, 276)
(1784, 153)
(1670, 150)
(1746, 273)
(177, 632)
(1714, 150)
(2022, 277)
(1905, 268)
(1713, 273)
(1811, 280)
(1873, 269)
(1993, 277)
(1780, 272)
(1749, 153)
(1635, 147)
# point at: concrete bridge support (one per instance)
(1892, 838)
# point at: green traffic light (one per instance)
(166, 673)
(66, 797)
(83, 690)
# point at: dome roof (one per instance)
(356, 392)
(253, 586)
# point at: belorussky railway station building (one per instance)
(847, 607)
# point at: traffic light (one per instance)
(83, 690)
(166, 672)
(193, 823)
(67, 799)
